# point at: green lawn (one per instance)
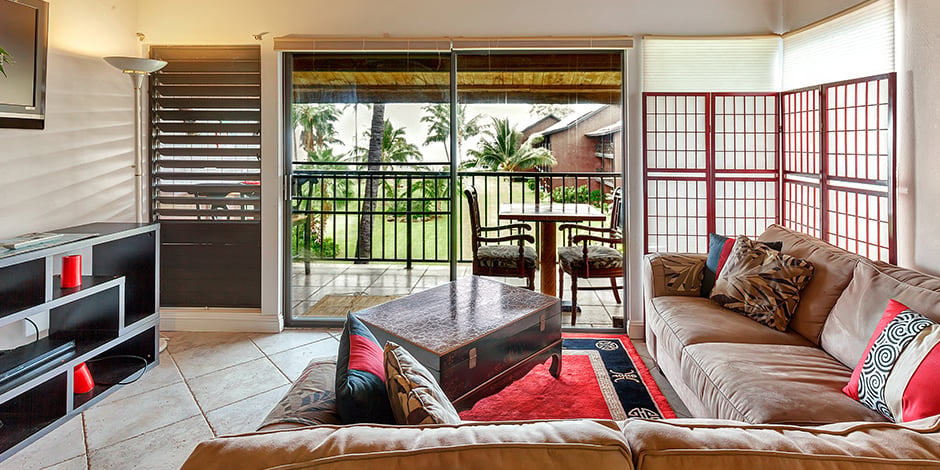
(429, 237)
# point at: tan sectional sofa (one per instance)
(778, 393)
(724, 365)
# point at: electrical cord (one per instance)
(121, 356)
(34, 326)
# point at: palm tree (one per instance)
(318, 132)
(502, 149)
(438, 117)
(394, 148)
(374, 157)
(318, 127)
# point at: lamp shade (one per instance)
(135, 64)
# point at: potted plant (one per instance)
(5, 58)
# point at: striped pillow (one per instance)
(898, 373)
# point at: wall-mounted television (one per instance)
(24, 26)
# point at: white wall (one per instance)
(795, 14)
(77, 170)
(918, 126)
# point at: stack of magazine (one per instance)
(29, 239)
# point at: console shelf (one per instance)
(112, 317)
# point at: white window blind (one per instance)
(858, 42)
(711, 64)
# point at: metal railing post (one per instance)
(408, 214)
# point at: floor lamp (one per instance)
(137, 68)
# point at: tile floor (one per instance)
(597, 307)
(207, 384)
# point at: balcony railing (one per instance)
(410, 207)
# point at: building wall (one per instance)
(575, 151)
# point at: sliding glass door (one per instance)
(380, 149)
(370, 175)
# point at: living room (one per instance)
(77, 169)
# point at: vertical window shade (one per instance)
(852, 44)
(206, 133)
(711, 64)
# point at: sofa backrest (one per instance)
(469, 446)
(861, 305)
(834, 268)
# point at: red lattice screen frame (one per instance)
(838, 169)
(676, 163)
(822, 164)
(710, 165)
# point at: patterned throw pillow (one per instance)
(415, 396)
(360, 377)
(762, 283)
(719, 247)
(898, 374)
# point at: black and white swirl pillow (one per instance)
(882, 357)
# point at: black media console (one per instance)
(113, 313)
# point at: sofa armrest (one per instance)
(673, 274)
(702, 443)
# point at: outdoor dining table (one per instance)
(547, 215)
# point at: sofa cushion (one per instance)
(766, 383)
(360, 376)
(694, 320)
(761, 283)
(698, 443)
(858, 311)
(311, 400)
(468, 446)
(834, 268)
(414, 394)
(719, 248)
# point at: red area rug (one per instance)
(602, 376)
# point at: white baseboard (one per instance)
(635, 329)
(218, 319)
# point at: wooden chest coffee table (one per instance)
(475, 335)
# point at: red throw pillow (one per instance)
(893, 309)
(898, 374)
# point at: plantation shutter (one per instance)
(711, 64)
(205, 111)
(206, 115)
(858, 42)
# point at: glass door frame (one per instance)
(287, 142)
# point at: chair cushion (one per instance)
(414, 394)
(599, 257)
(505, 256)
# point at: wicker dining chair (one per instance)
(592, 255)
(489, 259)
